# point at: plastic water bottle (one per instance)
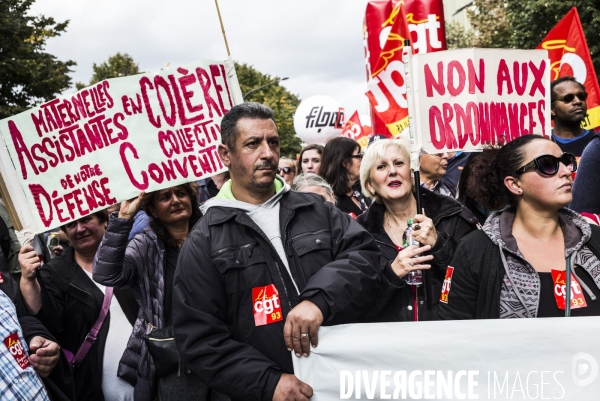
(415, 277)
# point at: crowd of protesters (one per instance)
(207, 290)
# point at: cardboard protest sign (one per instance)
(467, 99)
(502, 359)
(83, 152)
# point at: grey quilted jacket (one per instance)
(138, 265)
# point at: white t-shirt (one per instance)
(113, 387)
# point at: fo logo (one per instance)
(585, 369)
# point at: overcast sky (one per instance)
(316, 43)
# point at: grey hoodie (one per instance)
(520, 293)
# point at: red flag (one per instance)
(386, 89)
(354, 130)
(426, 26)
(569, 55)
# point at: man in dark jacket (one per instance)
(263, 269)
(568, 111)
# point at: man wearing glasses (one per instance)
(568, 110)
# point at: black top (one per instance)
(548, 307)
(586, 194)
(212, 188)
(170, 264)
(347, 205)
(575, 146)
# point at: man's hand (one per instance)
(29, 261)
(302, 327)
(290, 388)
(45, 355)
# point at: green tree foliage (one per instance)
(283, 103)
(489, 22)
(119, 65)
(457, 37)
(523, 24)
(28, 75)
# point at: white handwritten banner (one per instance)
(82, 152)
(513, 359)
(469, 98)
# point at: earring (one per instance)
(520, 191)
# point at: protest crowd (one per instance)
(208, 290)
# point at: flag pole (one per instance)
(414, 145)
(222, 28)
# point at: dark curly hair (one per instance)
(147, 204)
(484, 179)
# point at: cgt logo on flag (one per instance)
(16, 349)
(570, 56)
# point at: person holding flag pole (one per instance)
(385, 176)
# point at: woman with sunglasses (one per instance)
(516, 266)
(287, 170)
(340, 167)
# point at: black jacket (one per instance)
(452, 221)
(332, 259)
(71, 303)
(478, 277)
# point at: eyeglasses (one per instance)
(286, 170)
(568, 98)
(359, 156)
(548, 164)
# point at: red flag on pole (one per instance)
(386, 88)
(354, 130)
(425, 20)
(569, 55)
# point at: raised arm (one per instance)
(116, 260)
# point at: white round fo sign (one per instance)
(319, 118)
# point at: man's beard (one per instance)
(264, 184)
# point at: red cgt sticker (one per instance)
(16, 349)
(560, 293)
(266, 305)
(446, 285)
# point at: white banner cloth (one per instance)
(554, 358)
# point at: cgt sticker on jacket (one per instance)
(16, 349)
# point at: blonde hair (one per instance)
(374, 153)
(292, 163)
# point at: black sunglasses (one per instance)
(359, 156)
(568, 98)
(286, 170)
(549, 164)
